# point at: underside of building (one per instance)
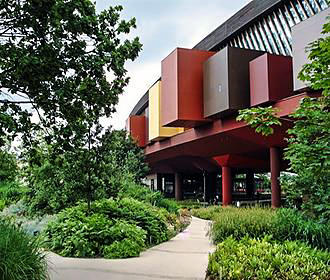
(186, 122)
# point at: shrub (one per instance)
(136, 212)
(292, 225)
(139, 192)
(262, 259)
(20, 255)
(207, 213)
(282, 224)
(113, 229)
(11, 192)
(239, 222)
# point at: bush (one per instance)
(292, 225)
(262, 259)
(239, 222)
(207, 213)
(113, 229)
(282, 224)
(139, 192)
(11, 192)
(20, 255)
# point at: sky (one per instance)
(163, 25)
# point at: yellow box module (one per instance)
(156, 130)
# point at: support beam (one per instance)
(250, 185)
(275, 174)
(178, 187)
(226, 185)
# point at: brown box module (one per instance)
(226, 81)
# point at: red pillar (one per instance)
(226, 186)
(275, 174)
(178, 187)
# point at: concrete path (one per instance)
(183, 257)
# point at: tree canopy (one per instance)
(55, 55)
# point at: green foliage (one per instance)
(190, 204)
(263, 119)
(64, 49)
(117, 164)
(20, 255)
(282, 224)
(113, 229)
(263, 259)
(131, 189)
(309, 142)
(207, 213)
(309, 156)
(8, 167)
(239, 222)
(290, 224)
(11, 191)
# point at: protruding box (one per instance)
(137, 129)
(226, 81)
(271, 78)
(303, 34)
(182, 82)
(156, 130)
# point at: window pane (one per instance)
(300, 10)
(259, 39)
(282, 35)
(276, 37)
(308, 8)
(264, 38)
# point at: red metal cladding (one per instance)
(137, 129)
(182, 88)
(271, 78)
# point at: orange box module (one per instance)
(182, 86)
(137, 129)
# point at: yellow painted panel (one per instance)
(156, 131)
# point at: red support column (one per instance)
(226, 186)
(178, 187)
(275, 174)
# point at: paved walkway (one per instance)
(183, 257)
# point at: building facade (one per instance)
(186, 122)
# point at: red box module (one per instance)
(271, 78)
(182, 88)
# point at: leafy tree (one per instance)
(309, 142)
(54, 55)
(8, 166)
(261, 118)
(308, 148)
(115, 160)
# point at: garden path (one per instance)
(183, 257)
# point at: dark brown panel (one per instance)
(226, 81)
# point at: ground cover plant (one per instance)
(250, 258)
(20, 255)
(114, 228)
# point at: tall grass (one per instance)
(239, 222)
(282, 224)
(20, 255)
